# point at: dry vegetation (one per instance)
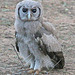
(59, 12)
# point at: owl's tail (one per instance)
(57, 59)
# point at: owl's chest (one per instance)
(32, 27)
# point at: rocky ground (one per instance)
(61, 13)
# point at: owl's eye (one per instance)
(24, 10)
(34, 10)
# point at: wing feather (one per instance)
(50, 46)
(16, 43)
(49, 27)
(51, 42)
(54, 50)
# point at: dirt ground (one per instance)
(61, 13)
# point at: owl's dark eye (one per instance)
(24, 10)
(34, 10)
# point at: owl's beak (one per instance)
(29, 15)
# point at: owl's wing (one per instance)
(16, 43)
(51, 42)
(48, 26)
(54, 50)
(50, 46)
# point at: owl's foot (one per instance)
(31, 71)
(44, 72)
(37, 72)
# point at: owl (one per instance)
(36, 39)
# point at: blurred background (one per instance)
(61, 13)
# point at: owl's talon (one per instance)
(37, 72)
(44, 72)
(31, 71)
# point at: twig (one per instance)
(17, 55)
(56, 64)
(28, 61)
(27, 57)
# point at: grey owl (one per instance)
(36, 39)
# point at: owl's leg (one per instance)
(38, 65)
(31, 63)
(31, 69)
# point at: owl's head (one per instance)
(29, 10)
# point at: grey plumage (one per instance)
(35, 38)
